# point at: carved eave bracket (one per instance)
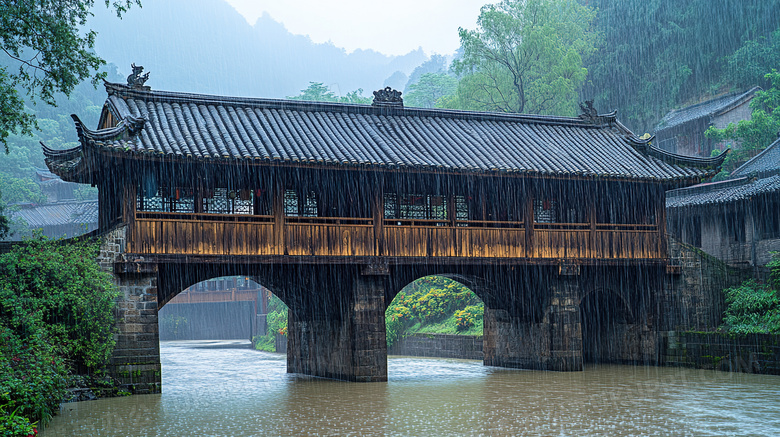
(388, 97)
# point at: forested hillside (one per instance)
(657, 55)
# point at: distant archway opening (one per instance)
(607, 322)
(433, 305)
(221, 308)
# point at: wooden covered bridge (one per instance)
(335, 207)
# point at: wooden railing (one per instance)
(215, 234)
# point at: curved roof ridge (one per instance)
(288, 104)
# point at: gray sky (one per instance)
(390, 27)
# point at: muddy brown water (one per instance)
(224, 388)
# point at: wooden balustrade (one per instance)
(215, 234)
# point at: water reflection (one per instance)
(215, 388)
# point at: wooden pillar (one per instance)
(592, 236)
(197, 197)
(660, 200)
(528, 219)
(128, 212)
(378, 218)
(278, 212)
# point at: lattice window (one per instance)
(294, 206)
(415, 206)
(225, 201)
(545, 211)
(165, 199)
(461, 208)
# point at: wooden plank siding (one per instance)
(211, 234)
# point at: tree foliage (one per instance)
(754, 308)
(56, 316)
(757, 133)
(47, 52)
(656, 54)
(430, 300)
(430, 89)
(319, 92)
(276, 323)
(749, 64)
(526, 56)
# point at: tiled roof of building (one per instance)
(768, 161)
(731, 190)
(709, 108)
(154, 125)
(55, 214)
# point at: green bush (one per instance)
(467, 317)
(56, 316)
(754, 308)
(13, 425)
(276, 323)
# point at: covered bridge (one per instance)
(358, 200)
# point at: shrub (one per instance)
(752, 307)
(56, 315)
(276, 323)
(465, 318)
(13, 425)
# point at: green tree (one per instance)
(755, 134)
(526, 56)
(47, 52)
(319, 92)
(5, 224)
(749, 64)
(429, 90)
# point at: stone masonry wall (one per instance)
(755, 353)
(693, 295)
(136, 358)
(467, 347)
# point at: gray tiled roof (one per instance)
(61, 213)
(722, 192)
(704, 109)
(199, 127)
(767, 161)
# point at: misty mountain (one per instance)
(214, 50)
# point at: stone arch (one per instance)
(450, 346)
(218, 308)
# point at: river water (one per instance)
(224, 388)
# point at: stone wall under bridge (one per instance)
(537, 317)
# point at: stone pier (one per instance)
(513, 339)
(135, 362)
(344, 340)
